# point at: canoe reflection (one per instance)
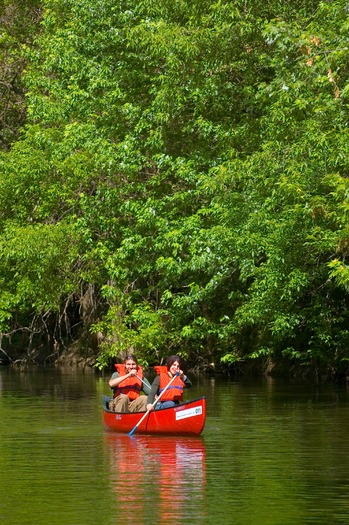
(162, 478)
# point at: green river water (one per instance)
(272, 453)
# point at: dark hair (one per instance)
(131, 356)
(171, 359)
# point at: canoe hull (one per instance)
(185, 419)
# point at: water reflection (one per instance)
(62, 383)
(271, 454)
(159, 477)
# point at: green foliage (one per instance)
(188, 162)
(37, 265)
(19, 23)
(141, 332)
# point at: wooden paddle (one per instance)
(153, 405)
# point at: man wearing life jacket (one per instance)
(171, 394)
(127, 384)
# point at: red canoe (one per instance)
(185, 419)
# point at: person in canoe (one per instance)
(173, 395)
(127, 383)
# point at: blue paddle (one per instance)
(144, 383)
(153, 405)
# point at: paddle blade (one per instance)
(132, 431)
(139, 422)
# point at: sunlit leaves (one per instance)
(190, 161)
(19, 23)
(37, 267)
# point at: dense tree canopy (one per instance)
(180, 182)
(18, 26)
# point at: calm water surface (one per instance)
(271, 454)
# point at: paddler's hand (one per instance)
(150, 407)
(132, 372)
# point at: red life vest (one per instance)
(175, 391)
(131, 386)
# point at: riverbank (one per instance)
(76, 357)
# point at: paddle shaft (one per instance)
(139, 378)
(144, 383)
(153, 405)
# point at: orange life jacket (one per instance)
(175, 391)
(131, 386)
